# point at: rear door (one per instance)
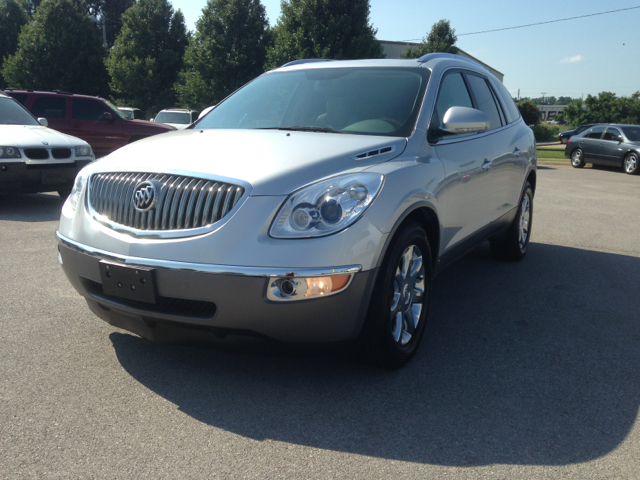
(590, 144)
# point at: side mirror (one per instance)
(152, 119)
(459, 120)
(43, 121)
(108, 116)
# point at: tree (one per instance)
(147, 55)
(227, 51)
(441, 38)
(606, 107)
(49, 56)
(108, 13)
(337, 29)
(530, 113)
(12, 18)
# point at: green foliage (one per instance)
(337, 29)
(29, 6)
(60, 49)
(12, 18)
(529, 112)
(441, 38)
(227, 50)
(147, 55)
(606, 107)
(546, 133)
(109, 12)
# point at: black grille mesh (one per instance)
(61, 152)
(36, 153)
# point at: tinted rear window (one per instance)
(50, 107)
(20, 97)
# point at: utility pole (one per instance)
(518, 94)
(543, 94)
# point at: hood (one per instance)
(35, 135)
(274, 162)
(151, 126)
(178, 126)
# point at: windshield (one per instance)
(12, 113)
(632, 133)
(174, 117)
(115, 110)
(369, 101)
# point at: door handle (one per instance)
(517, 152)
(487, 164)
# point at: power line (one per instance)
(539, 23)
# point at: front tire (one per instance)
(514, 243)
(631, 164)
(398, 309)
(577, 158)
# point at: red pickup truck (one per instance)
(93, 119)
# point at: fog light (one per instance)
(297, 288)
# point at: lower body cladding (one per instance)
(181, 305)
(19, 177)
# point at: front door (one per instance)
(89, 122)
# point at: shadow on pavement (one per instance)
(37, 207)
(529, 363)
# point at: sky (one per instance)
(572, 58)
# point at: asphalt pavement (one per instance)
(527, 370)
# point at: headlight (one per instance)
(326, 207)
(78, 186)
(9, 152)
(83, 151)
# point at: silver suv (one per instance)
(315, 204)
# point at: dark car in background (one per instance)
(93, 119)
(565, 136)
(612, 145)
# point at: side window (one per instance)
(50, 107)
(484, 97)
(86, 109)
(611, 134)
(453, 93)
(596, 132)
(511, 109)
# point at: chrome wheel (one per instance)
(631, 163)
(576, 158)
(525, 218)
(408, 295)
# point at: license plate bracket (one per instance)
(130, 283)
(53, 176)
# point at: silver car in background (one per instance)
(315, 204)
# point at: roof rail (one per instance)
(451, 56)
(307, 60)
(64, 93)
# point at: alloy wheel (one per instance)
(525, 219)
(408, 295)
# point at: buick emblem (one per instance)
(45, 143)
(145, 197)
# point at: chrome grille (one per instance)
(183, 202)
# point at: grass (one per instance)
(549, 154)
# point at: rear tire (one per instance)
(513, 244)
(577, 158)
(631, 164)
(399, 303)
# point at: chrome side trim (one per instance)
(207, 268)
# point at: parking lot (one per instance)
(527, 370)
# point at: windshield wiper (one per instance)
(309, 129)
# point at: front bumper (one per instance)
(197, 302)
(20, 177)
